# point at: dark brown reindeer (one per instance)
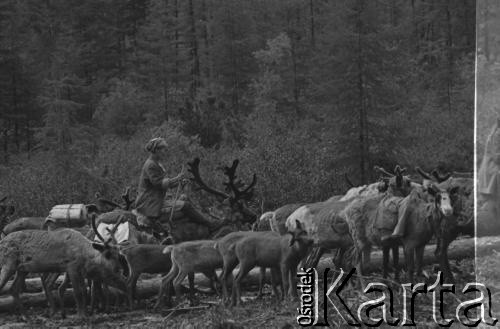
(234, 198)
(462, 219)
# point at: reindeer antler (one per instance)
(232, 184)
(126, 198)
(3, 199)
(383, 171)
(109, 202)
(423, 173)
(112, 232)
(94, 228)
(440, 178)
(194, 169)
(399, 171)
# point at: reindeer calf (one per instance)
(144, 258)
(269, 249)
(225, 246)
(188, 258)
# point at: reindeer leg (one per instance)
(78, 282)
(244, 269)
(212, 277)
(96, 296)
(107, 298)
(395, 260)
(16, 288)
(275, 280)
(366, 257)
(285, 278)
(131, 284)
(293, 280)
(60, 293)
(409, 257)
(177, 285)
(419, 255)
(47, 289)
(166, 281)
(385, 252)
(262, 277)
(227, 270)
(191, 288)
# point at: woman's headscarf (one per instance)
(155, 144)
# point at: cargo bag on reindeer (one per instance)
(106, 223)
(67, 215)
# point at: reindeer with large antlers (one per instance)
(234, 197)
(234, 194)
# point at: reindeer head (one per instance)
(300, 236)
(234, 197)
(446, 200)
(397, 183)
(442, 199)
(114, 265)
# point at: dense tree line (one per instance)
(488, 71)
(302, 91)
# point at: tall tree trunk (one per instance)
(164, 51)
(195, 64)
(466, 23)
(6, 141)
(363, 141)
(165, 88)
(234, 77)
(16, 112)
(28, 136)
(176, 42)
(486, 31)
(311, 11)
(208, 71)
(293, 34)
(449, 45)
(415, 27)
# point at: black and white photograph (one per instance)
(235, 164)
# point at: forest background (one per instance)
(301, 91)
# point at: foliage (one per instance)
(301, 92)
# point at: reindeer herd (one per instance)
(350, 224)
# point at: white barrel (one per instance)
(68, 215)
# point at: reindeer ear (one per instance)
(383, 185)
(92, 208)
(432, 189)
